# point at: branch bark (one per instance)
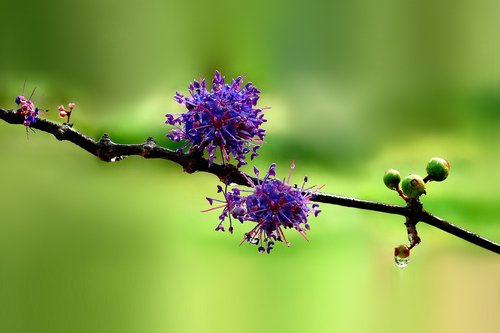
(108, 151)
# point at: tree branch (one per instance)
(109, 151)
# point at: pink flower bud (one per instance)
(61, 108)
(71, 106)
(62, 114)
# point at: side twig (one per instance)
(108, 151)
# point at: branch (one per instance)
(109, 151)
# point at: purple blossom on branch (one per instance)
(27, 109)
(272, 204)
(225, 117)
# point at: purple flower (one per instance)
(27, 109)
(233, 205)
(224, 118)
(273, 205)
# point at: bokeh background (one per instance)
(354, 88)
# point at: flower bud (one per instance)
(438, 169)
(413, 186)
(392, 178)
(71, 106)
(61, 108)
(62, 114)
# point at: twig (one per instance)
(109, 151)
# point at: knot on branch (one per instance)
(148, 147)
(105, 139)
(149, 144)
(105, 150)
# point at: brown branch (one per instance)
(109, 151)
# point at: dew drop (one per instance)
(401, 256)
(401, 262)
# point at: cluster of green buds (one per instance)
(413, 186)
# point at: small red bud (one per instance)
(62, 114)
(61, 108)
(71, 106)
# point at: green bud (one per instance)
(392, 178)
(413, 186)
(438, 169)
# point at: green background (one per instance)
(354, 87)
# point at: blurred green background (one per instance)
(354, 88)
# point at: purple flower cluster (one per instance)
(27, 109)
(272, 204)
(225, 117)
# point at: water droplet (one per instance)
(401, 262)
(401, 256)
